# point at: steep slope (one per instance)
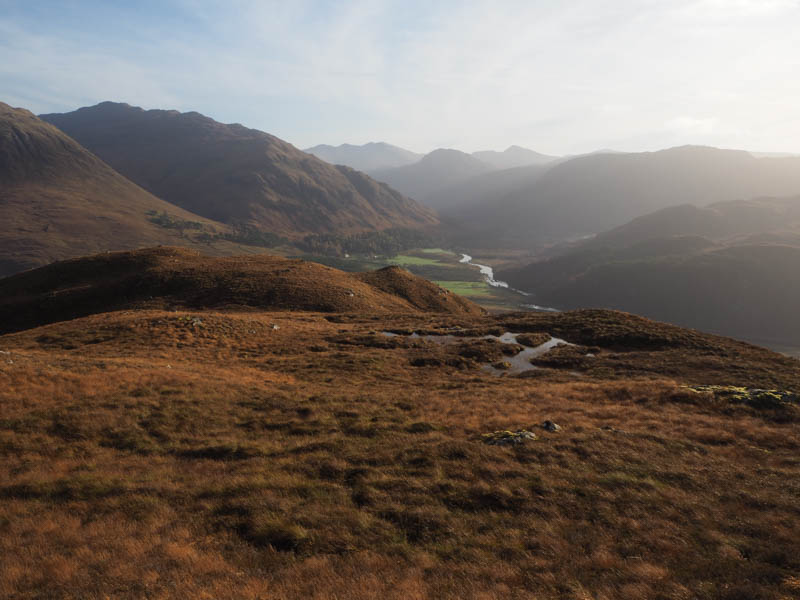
(730, 268)
(593, 193)
(57, 200)
(366, 157)
(168, 277)
(434, 171)
(513, 156)
(237, 175)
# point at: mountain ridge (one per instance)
(368, 157)
(593, 193)
(234, 174)
(434, 171)
(58, 200)
(513, 156)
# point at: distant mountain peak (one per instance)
(513, 156)
(369, 157)
(448, 154)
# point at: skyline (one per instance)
(556, 78)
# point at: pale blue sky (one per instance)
(558, 76)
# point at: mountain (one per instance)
(730, 268)
(717, 221)
(482, 190)
(513, 156)
(593, 193)
(58, 200)
(436, 170)
(237, 175)
(367, 157)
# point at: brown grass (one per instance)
(146, 457)
(171, 277)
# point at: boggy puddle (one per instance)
(519, 363)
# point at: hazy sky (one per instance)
(558, 76)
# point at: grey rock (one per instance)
(551, 426)
(508, 438)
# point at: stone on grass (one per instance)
(508, 438)
(551, 426)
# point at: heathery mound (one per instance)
(419, 292)
(167, 277)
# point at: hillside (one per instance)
(176, 277)
(730, 267)
(366, 157)
(717, 221)
(235, 175)
(436, 170)
(597, 192)
(482, 190)
(252, 453)
(57, 201)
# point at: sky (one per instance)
(557, 76)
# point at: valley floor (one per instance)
(445, 268)
(301, 455)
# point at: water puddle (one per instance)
(520, 362)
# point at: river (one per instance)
(488, 273)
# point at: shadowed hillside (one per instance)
(730, 268)
(175, 277)
(57, 200)
(237, 175)
(718, 221)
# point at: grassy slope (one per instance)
(147, 454)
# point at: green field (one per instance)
(435, 251)
(435, 264)
(470, 289)
(405, 259)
